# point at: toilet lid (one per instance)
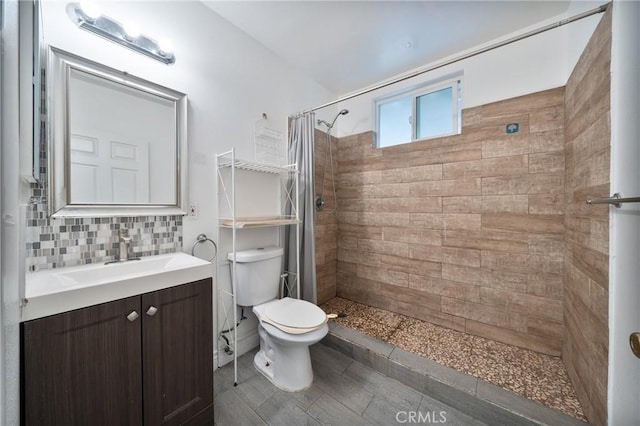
(295, 313)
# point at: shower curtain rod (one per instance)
(562, 22)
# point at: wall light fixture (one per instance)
(88, 17)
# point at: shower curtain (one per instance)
(301, 153)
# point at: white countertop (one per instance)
(58, 290)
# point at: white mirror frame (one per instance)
(59, 66)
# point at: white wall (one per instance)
(230, 81)
(12, 270)
(537, 63)
(624, 270)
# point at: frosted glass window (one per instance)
(394, 122)
(435, 114)
(426, 112)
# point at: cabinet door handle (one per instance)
(152, 311)
(133, 316)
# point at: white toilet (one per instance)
(287, 326)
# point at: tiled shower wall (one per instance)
(464, 231)
(586, 295)
(326, 220)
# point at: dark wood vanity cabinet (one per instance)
(145, 360)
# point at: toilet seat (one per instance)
(292, 315)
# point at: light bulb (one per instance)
(90, 10)
(165, 46)
(131, 30)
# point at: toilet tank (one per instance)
(258, 279)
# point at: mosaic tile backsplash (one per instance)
(54, 243)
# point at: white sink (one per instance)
(54, 291)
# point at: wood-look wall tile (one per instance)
(549, 141)
(600, 40)
(553, 330)
(587, 156)
(547, 162)
(426, 220)
(594, 264)
(411, 266)
(434, 316)
(493, 126)
(383, 219)
(425, 205)
(524, 184)
(426, 252)
(546, 285)
(551, 203)
(460, 221)
(599, 235)
(461, 256)
(360, 178)
(525, 340)
(590, 140)
(526, 103)
(505, 204)
(464, 204)
(475, 311)
(360, 231)
(550, 118)
(501, 166)
(505, 146)
(443, 287)
(445, 187)
(358, 257)
(504, 279)
(598, 103)
(599, 302)
(550, 245)
(386, 276)
(384, 247)
(486, 240)
(538, 224)
(413, 174)
(521, 263)
(462, 274)
(430, 237)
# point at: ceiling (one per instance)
(348, 45)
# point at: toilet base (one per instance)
(286, 378)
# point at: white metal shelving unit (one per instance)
(228, 167)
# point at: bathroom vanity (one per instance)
(144, 359)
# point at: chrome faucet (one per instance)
(124, 239)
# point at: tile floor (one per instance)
(533, 375)
(344, 392)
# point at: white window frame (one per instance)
(416, 92)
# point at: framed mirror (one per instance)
(117, 143)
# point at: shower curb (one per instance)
(477, 398)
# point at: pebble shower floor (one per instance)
(536, 376)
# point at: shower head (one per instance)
(330, 125)
(342, 112)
